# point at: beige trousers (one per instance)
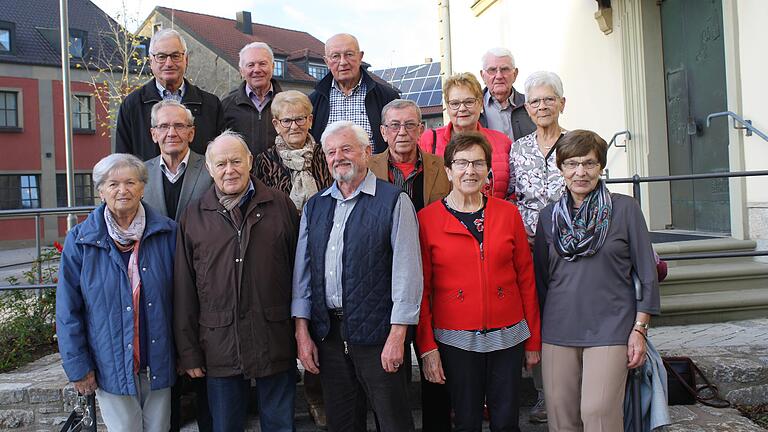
(584, 387)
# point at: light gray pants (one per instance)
(148, 411)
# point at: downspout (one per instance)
(446, 66)
(67, 94)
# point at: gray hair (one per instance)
(336, 128)
(229, 133)
(259, 45)
(165, 34)
(165, 103)
(110, 163)
(398, 104)
(498, 52)
(544, 78)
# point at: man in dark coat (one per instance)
(168, 60)
(503, 106)
(232, 292)
(248, 108)
(349, 93)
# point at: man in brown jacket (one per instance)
(232, 299)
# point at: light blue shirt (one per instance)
(407, 277)
(178, 95)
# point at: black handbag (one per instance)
(682, 389)
(83, 415)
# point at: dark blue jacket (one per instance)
(367, 261)
(376, 97)
(94, 305)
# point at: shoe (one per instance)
(317, 412)
(538, 412)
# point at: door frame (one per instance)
(645, 108)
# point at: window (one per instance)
(84, 193)
(9, 110)
(278, 70)
(7, 30)
(317, 71)
(77, 43)
(19, 191)
(82, 114)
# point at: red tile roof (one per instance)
(430, 110)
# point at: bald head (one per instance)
(342, 38)
(343, 57)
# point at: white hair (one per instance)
(254, 45)
(165, 103)
(336, 128)
(229, 133)
(110, 163)
(544, 78)
(399, 104)
(165, 34)
(498, 52)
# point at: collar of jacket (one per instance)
(242, 99)
(262, 194)
(191, 96)
(93, 231)
(518, 99)
(324, 86)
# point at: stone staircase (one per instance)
(714, 289)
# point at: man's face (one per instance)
(499, 75)
(347, 159)
(396, 133)
(343, 57)
(229, 164)
(256, 68)
(172, 132)
(169, 70)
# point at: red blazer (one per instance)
(465, 289)
(500, 147)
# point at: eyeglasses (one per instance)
(180, 127)
(456, 104)
(175, 56)
(395, 127)
(588, 165)
(300, 121)
(548, 101)
(493, 70)
(462, 164)
(336, 57)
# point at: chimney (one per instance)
(244, 22)
(428, 60)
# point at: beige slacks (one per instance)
(584, 387)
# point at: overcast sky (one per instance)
(391, 32)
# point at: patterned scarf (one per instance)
(584, 234)
(298, 162)
(128, 239)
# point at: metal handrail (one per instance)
(612, 142)
(746, 124)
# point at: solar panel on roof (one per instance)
(435, 98)
(419, 83)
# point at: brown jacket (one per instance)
(232, 299)
(436, 184)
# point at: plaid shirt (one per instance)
(351, 107)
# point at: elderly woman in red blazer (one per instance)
(479, 312)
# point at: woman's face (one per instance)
(467, 108)
(468, 171)
(580, 179)
(122, 191)
(544, 106)
(294, 134)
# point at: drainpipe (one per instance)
(446, 66)
(67, 92)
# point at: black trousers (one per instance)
(203, 414)
(476, 378)
(435, 404)
(352, 377)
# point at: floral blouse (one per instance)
(535, 182)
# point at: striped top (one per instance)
(477, 341)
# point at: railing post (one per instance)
(636, 188)
(39, 252)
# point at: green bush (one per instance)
(27, 320)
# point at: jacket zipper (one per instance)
(484, 287)
(238, 261)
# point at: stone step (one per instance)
(713, 307)
(716, 276)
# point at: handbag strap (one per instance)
(714, 400)
(434, 141)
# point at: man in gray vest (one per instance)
(357, 287)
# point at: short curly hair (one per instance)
(464, 79)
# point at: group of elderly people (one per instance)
(227, 265)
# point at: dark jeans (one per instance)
(435, 404)
(228, 401)
(202, 414)
(474, 378)
(350, 378)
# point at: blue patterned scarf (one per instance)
(583, 234)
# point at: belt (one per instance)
(337, 314)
